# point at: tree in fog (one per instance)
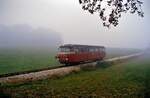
(25, 36)
(111, 10)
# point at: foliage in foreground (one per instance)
(111, 10)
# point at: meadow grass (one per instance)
(126, 80)
(26, 59)
(16, 60)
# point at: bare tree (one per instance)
(111, 10)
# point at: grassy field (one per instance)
(17, 60)
(126, 80)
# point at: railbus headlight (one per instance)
(66, 59)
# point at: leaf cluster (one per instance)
(111, 10)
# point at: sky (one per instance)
(76, 25)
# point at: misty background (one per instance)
(44, 23)
(24, 36)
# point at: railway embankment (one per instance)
(58, 72)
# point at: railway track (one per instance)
(29, 71)
(26, 76)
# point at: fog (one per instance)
(24, 36)
(74, 25)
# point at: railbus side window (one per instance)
(103, 49)
(100, 49)
(76, 50)
(82, 49)
(96, 49)
(91, 50)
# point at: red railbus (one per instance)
(75, 54)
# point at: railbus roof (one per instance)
(79, 46)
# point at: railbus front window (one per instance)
(64, 49)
